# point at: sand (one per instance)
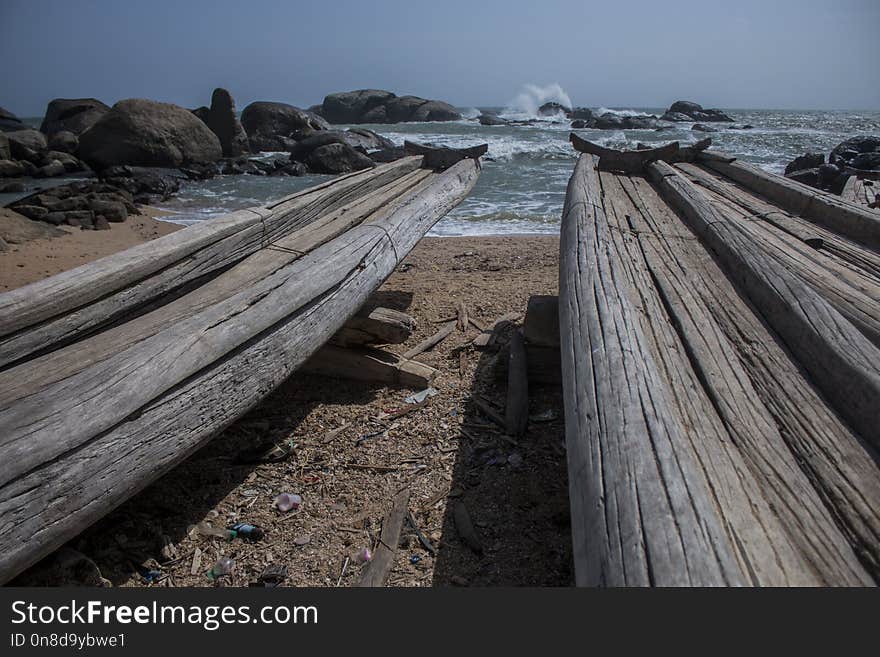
(37, 250)
(446, 452)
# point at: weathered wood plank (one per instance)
(370, 366)
(441, 158)
(640, 513)
(626, 161)
(376, 571)
(375, 325)
(99, 474)
(841, 360)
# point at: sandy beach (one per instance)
(446, 452)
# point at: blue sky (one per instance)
(735, 53)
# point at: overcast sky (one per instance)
(733, 53)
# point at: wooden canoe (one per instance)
(721, 377)
(116, 371)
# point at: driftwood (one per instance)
(640, 514)
(376, 571)
(63, 308)
(784, 470)
(370, 366)
(486, 337)
(441, 158)
(856, 222)
(465, 527)
(625, 161)
(516, 413)
(541, 325)
(120, 421)
(376, 325)
(842, 361)
(433, 341)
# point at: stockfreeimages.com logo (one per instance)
(210, 617)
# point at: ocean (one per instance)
(525, 172)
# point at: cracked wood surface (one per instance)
(792, 488)
(105, 432)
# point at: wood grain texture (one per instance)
(375, 572)
(141, 427)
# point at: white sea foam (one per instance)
(527, 102)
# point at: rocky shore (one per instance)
(858, 156)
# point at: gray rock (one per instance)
(806, 176)
(276, 126)
(110, 210)
(553, 108)
(11, 169)
(5, 152)
(699, 127)
(51, 170)
(337, 158)
(387, 154)
(74, 115)
(351, 106)
(693, 112)
(379, 106)
(10, 122)
(146, 133)
(866, 161)
(64, 141)
(101, 223)
(805, 161)
(223, 121)
(29, 145)
(12, 188)
(491, 119)
(582, 113)
(31, 211)
(367, 139)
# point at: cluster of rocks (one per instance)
(585, 118)
(88, 205)
(28, 152)
(856, 156)
(379, 106)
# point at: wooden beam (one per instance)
(441, 158)
(371, 366)
(541, 325)
(625, 161)
(375, 325)
(433, 341)
(376, 571)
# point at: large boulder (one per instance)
(11, 169)
(223, 121)
(74, 115)
(273, 126)
(684, 110)
(29, 145)
(148, 133)
(64, 141)
(553, 108)
(805, 161)
(9, 121)
(367, 139)
(491, 119)
(378, 106)
(612, 121)
(5, 152)
(337, 158)
(856, 153)
(301, 150)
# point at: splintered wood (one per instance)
(721, 379)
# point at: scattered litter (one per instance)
(419, 397)
(422, 538)
(302, 540)
(546, 416)
(196, 563)
(273, 575)
(334, 434)
(206, 529)
(248, 531)
(223, 567)
(414, 559)
(288, 502)
(364, 438)
(266, 453)
(364, 555)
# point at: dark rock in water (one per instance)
(51, 170)
(9, 122)
(110, 210)
(699, 127)
(29, 145)
(582, 113)
(852, 147)
(683, 110)
(74, 115)
(388, 154)
(337, 158)
(276, 126)
(866, 161)
(146, 133)
(11, 169)
(807, 176)
(378, 106)
(491, 119)
(580, 124)
(64, 141)
(805, 161)
(71, 164)
(831, 178)
(200, 171)
(613, 121)
(223, 121)
(367, 139)
(741, 127)
(291, 169)
(553, 108)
